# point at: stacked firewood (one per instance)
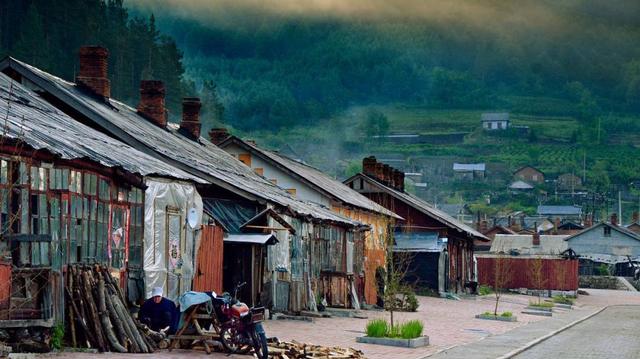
(98, 315)
(295, 350)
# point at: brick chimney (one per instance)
(217, 135)
(588, 221)
(536, 239)
(483, 226)
(369, 166)
(614, 219)
(151, 104)
(191, 116)
(398, 180)
(379, 171)
(635, 217)
(387, 173)
(93, 70)
(556, 225)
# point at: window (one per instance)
(260, 171)
(38, 178)
(274, 181)
(4, 171)
(292, 191)
(607, 231)
(245, 158)
(76, 182)
(90, 183)
(59, 179)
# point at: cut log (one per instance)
(106, 322)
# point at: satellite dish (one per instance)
(192, 218)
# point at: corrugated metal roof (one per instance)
(418, 242)
(560, 210)
(523, 244)
(313, 177)
(520, 185)
(31, 119)
(495, 116)
(423, 207)
(468, 166)
(251, 238)
(620, 229)
(200, 158)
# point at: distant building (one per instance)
(469, 171)
(562, 212)
(518, 186)
(529, 174)
(606, 243)
(569, 182)
(495, 121)
(459, 211)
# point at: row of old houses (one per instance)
(88, 179)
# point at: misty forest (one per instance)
(289, 75)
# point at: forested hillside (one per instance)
(49, 33)
(278, 67)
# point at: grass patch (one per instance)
(411, 329)
(380, 328)
(506, 314)
(561, 299)
(484, 290)
(377, 328)
(541, 304)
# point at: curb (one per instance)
(534, 342)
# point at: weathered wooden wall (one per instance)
(558, 274)
(375, 258)
(208, 275)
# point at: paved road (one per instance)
(614, 333)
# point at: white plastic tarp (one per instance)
(170, 244)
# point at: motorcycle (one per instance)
(240, 326)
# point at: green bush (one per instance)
(506, 314)
(484, 290)
(377, 328)
(411, 329)
(57, 334)
(394, 331)
(561, 299)
(410, 300)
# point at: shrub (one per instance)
(506, 314)
(561, 299)
(410, 300)
(57, 334)
(377, 328)
(394, 331)
(487, 313)
(484, 290)
(411, 329)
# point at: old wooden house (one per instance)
(244, 213)
(529, 175)
(310, 184)
(429, 234)
(70, 194)
(608, 244)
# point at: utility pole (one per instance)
(620, 206)
(584, 167)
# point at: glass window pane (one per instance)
(4, 171)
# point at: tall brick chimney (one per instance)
(635, 217)
(379, 171)
(191, 116)
(398, 180)
(217, 135)
(369, 166)
(536, 239)
(93, 70)
(151, 104)
(387, 173)
(614, 219)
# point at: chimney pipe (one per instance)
(93, 70)
(398, 179)
(614, 219)
(369, 166)
(151, 104)
(191, 116)
(217, 135)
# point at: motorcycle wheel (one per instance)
(259, 344)
(227, 337)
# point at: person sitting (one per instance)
(159, 313)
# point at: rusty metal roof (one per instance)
(199, 157)
(28, 118)
(423, 207)
(312, 177)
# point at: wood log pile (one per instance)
(296, 350)
(98, 314)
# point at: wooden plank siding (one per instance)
(559, 274)
(208, 276)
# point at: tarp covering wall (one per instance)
(170, 244)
